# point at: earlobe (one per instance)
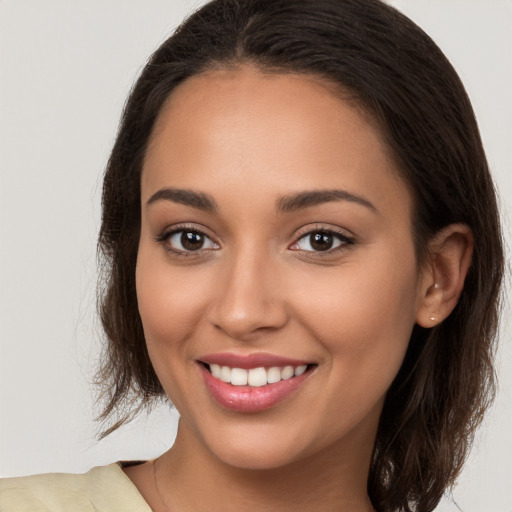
(448, 263)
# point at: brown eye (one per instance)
(189, 241)
(321, 241)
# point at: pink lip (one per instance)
(248, 399)
(247, 362)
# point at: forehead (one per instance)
(220, 96)
(272, 131)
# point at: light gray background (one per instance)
(65, 70)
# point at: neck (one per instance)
(190, 478)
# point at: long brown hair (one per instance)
(401, 78)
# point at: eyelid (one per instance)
(346, 238)
(165, 234)
(343, 235)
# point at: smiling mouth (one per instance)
(255, 377)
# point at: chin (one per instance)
(255, 459)
(253, 449)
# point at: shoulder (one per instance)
(102, 489)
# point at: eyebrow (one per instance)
(197, 200)
(303, 200)
(284, 204)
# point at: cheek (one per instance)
(169, 301)
(363, 314)
(170, 308)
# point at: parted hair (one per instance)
(401, 78)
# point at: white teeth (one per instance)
(300, 370)
(215, 369)
(287, 372)
(258, 377)
(273, 375)
(255, 377)
(238, 377)
(225, 374)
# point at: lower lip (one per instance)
(248, 398)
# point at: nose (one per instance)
(251, 298)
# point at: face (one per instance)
(276, 275)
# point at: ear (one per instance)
(444, 273)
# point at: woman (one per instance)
(303, 253)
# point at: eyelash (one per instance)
(164, 237)
(345, 241)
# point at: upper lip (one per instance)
(248, 361)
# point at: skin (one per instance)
(247, 139)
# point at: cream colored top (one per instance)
(102, 489)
